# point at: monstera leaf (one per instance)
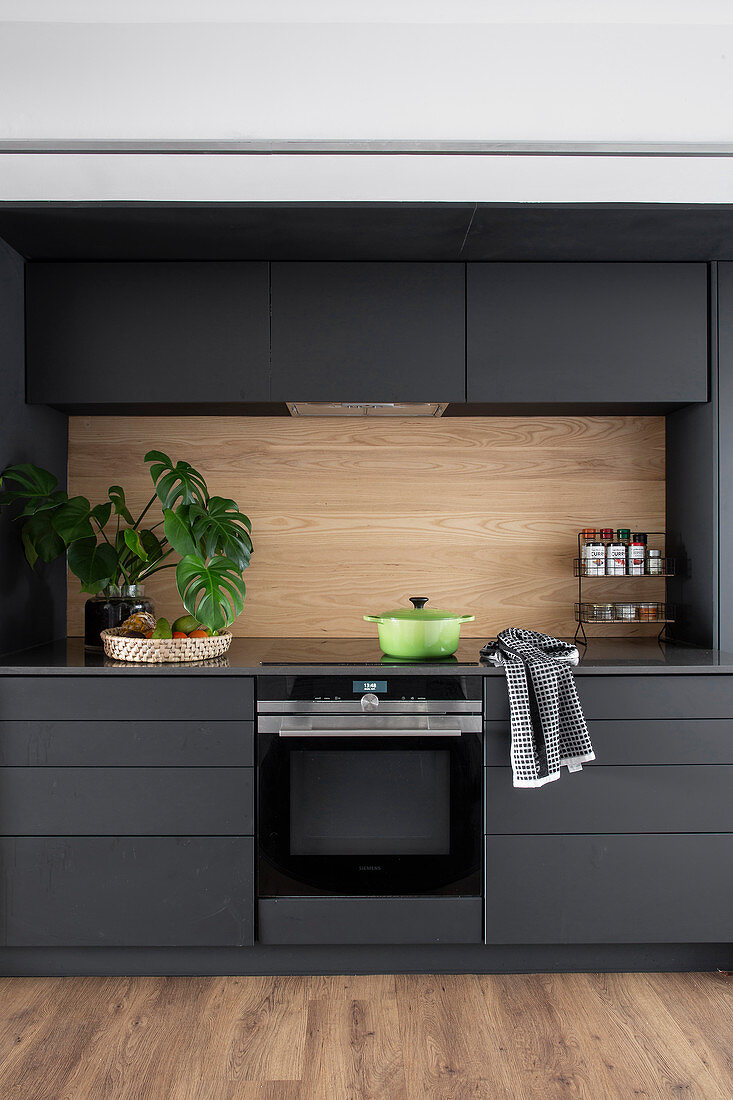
(71, 520)
(212, 591)
(178, 530)
(95, 566)
(116, 495)
(35, 486)
(221, 528)
(134, 543)
(176, 484)
(39, 538)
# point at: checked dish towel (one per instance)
(547, 722)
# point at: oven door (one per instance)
(370, 806)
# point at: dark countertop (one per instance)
(326, 656)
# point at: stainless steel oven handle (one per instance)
(369, 734)
(370, 727)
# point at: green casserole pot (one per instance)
(418, 633)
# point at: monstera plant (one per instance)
(107, 546)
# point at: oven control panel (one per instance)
(279, 694)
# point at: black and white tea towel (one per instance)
(547, 722)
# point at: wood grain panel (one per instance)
(354, 516)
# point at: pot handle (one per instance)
(418, 602)
(372, 618)
(465, 618)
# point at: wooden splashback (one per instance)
(356, 515)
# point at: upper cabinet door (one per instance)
(368, 332)
(587, 332)
(129, 333)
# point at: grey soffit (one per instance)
(368, 231)
(380, 148)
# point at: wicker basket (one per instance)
(157, 651)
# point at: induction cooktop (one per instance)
(356, 651)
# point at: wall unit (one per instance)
(580, 332)
(33, 603)
(116, 333)
(368, 332)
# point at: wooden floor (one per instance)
(343, 1038)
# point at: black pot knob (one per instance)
(419, 602)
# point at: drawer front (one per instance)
(654, 741)
(127, 891)
(126, 801)
(609, 889)
(646, 799)
(166, 696)
(127, 744)
(640, 696)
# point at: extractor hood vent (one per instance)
(367, 408)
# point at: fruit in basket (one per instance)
(200, 633)
(162, 629)
(179, 634)
(185, 624)
(137, 624)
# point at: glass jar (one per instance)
(110, 608)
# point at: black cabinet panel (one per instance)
(653, 741)
(609, 889)
(126, 891)
(606, 697)
(131, 744)
(672, 799)
(147, 332)
(369, 920)
(126, 801)
(171, 697)
(586, 332)
(368, 332)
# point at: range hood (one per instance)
(367, 408)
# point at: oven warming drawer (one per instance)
(369, 920)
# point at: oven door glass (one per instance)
(369, 816)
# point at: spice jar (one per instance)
(626, 612)
(636, 551)
(654, 563)
(602, 612)
(647, 612)
(615, 559)
(593, 562)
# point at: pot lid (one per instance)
(420, 611)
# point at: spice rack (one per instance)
(623, 611)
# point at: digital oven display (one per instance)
(376, 687)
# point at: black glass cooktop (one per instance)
(356, 651)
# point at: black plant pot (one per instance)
(111, 608)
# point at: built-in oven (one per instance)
(369, 789)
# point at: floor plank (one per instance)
(368, 1037)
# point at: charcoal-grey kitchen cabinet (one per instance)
(622, 888)
(587, 332)
(127, 811)
(368, 332)
(142, 891)
(147, 333)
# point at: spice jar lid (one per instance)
(606, 532)
(655, 553)
(624, 532)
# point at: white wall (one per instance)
(515, 70)
(528, 70)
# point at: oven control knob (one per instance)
(369, 702)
